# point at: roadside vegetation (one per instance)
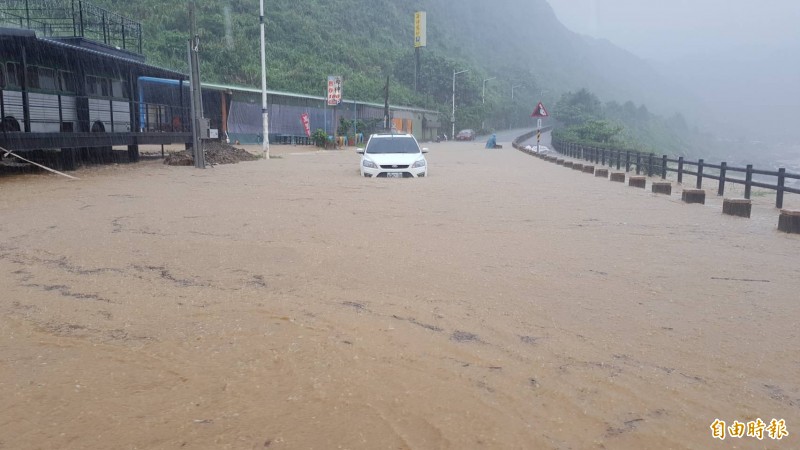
(584, 119)
(512, 61)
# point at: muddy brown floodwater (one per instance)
(502, 303)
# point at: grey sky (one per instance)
(666, 30)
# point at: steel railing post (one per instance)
(748, 181)
(700, 174)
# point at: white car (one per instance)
(391, 155)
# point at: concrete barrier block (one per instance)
(601, 173)
(619, 177)
(577, 166)
(588, 169)
(662, 187)
(789, 221)
(739, 207)
(568, 164)
(560, 162)
(637, 181)
(694, 196)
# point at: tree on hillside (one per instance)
(577, 108)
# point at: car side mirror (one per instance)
(424, 150)
(360, 152)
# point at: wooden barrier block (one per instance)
(560, 162)
(739, 207)
(694, 196)
(789, 221)
(601, 173)
(618, 177)
(568, 164)
(637, 181)
(662, 187)
(588, 169)
(577, 166)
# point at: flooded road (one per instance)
(503, 302)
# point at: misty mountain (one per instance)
(528, 33)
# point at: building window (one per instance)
(66, 81)
(97, 86)
(47, 79)
(12, 73)
(117, 89)
(91, 85)
(33, 77)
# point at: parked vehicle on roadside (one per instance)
(466, 135)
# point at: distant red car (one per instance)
(465, 135)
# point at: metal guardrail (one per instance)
(660, 165)
(520, 139)
(73, 18)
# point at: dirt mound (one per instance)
(216, 153)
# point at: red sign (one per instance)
(540, 111)
(334, 90)
(306, 123)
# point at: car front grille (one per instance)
(394, 166)
(405, 175)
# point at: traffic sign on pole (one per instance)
(538, 137)
(540, 111)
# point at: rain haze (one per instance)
(298, 227)
(733, 55)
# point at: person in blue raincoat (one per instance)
(492, 142)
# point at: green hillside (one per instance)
(522, 44)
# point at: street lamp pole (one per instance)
(453, 116)
(512, 90)
(264, 111)
(483, 93)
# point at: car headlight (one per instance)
(369, 164)
(418, 163)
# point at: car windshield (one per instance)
(393, 145)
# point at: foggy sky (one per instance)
(666, 30)
(732, 55)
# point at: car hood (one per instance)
(393, 158)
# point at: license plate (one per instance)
(394, 175)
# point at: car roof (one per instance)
(385, 135)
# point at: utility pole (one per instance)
(483, 94)
(483, 100)
(197, 97)
(386, 118)
(512, 90)
(355, 117)
(416, 69)
(264, 111)
(453, 116)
